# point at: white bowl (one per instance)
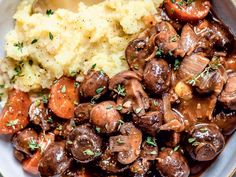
(224, 165)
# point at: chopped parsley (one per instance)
(153, 153)
(121, 122)
(151, 141)
(176, 148)
(155, 103)
(94, 66)
(173, 38)
(34, 41)
(49, 12)
(89, 152)
(63, 89)
(119, 141)
(50, 120)
(12, 123)
(69, 142)
(45, 99)
(19, 46)
(37, 103)
(98, 129)
(138, 110)
(176, 64)
(101, 72)
(59, 127)
(203, 130)
(100, 90)
(2, 86)
(76, 84)
(73, 73)
(159, 52)
(51, 36)
(120, 90)
(33, 145)
(119, 108)
(18, 71)
(191, 140)
(109, 107)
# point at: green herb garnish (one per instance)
(89, 152)
(120, 90)
(151, 141)
(34, 41)
(19, 46)
(12, 123)
(100, 90)
(49, 12)
(51, 36)
(63, 89)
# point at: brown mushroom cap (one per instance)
(133, 98)
(82, 112)
(157, 76)
(141, 50)
(128, 144)
(22, 140)
(54, 160)
(172, 163)
(105, 116)
(205, 142)
(38, 114)
(83, 144)
(94, 85)
(150, 122)
(109, 163)
(142, 165)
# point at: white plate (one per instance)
(9, 167)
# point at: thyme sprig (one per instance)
(212, 66)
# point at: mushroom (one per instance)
(187, 11)
(140, 50)
(129, 91)
(205, 142)
(173, 119)
(82, 113)
(20, 156)
(94, 85)
(109, 163)
(172, 163)
(143, 164)
(150, 122)
(39, 115)
(105, 117)
(54, 161)
(127, 145)
(157, 76)
(167, 38)
(83, 144)
(226, 121)
(26, 141)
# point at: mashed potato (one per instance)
(42, 47)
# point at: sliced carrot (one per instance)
(64, 94)
(14, 116)
(187, 11)
(31, 164)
